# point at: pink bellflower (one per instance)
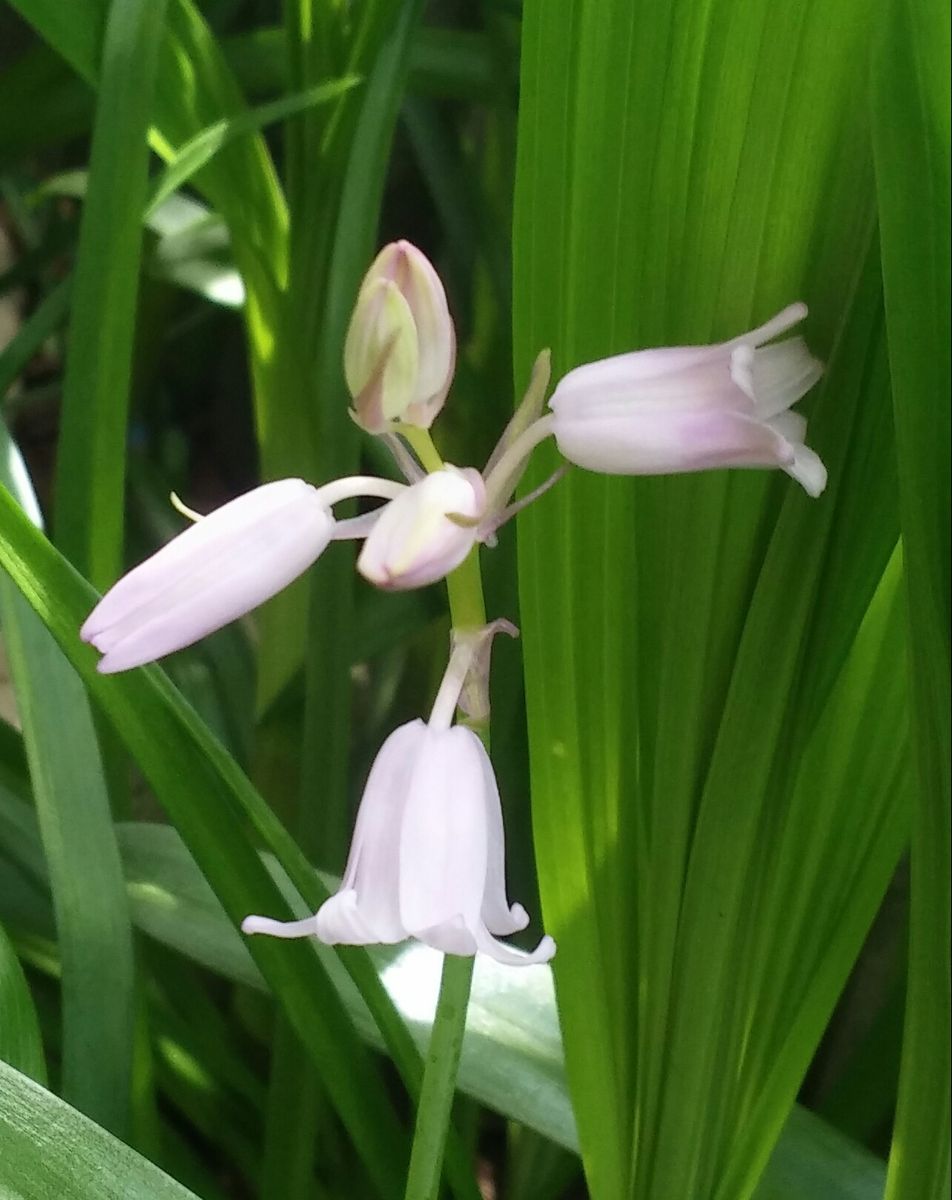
(427, 858)
(693, 408)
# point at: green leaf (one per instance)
(911, 141)
(90, 483)
(200, 149)
(813, 1160)
(20, 1043)
(72, 803)
(52, 1152)
(195, 89)
(683, 173)
(28, 339)
(50, 104)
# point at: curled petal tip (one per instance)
(520, 918)
(546, 949)
(279, 929)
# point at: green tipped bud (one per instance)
(401, 345)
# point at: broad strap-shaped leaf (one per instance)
(911, 130)
(53, 1152)
(685, 171)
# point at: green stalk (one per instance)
(439, 1079)
(467, 611)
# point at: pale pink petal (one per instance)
(435, 333)
(414, 542)
(659, 444)
(339, 921)
(781, 375)
(280, 929)
(443, 838)
(373, 865)
(704, 382)
(510, 956)
(808, 470)
(499, 916)
(220, 568)
(452, 936)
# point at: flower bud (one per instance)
(415, 540)
(220, 568)
(401, 345)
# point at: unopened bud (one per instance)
(425, 532)
(401, 345)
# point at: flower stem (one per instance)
(467, 611)
(422, 445)
(439, 1080)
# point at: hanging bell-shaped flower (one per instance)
(428, 854)
(693, 408)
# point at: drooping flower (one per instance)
(428, 530)
(416, 540)
(693, 408)
(400, 351)
(428, 853)
(220, 568)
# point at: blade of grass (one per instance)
(20, 1042)
(72, 803)
(682, 170)
(816, 896)
(44, 321)
(90, 481)
(756, 749)
(199, 150)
